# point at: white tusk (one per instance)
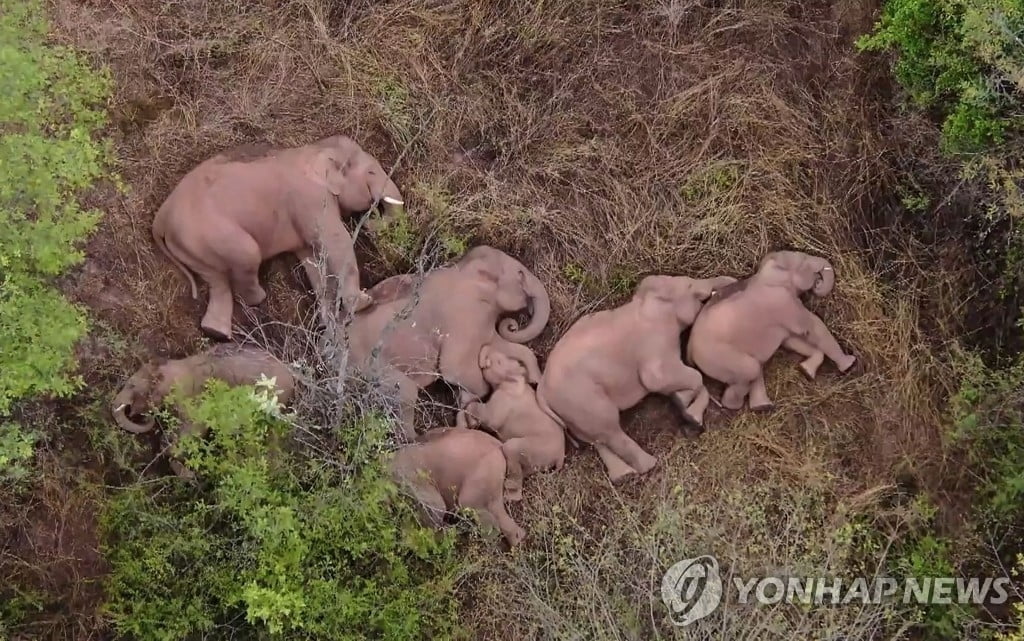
(120, 407)
(826, 269)
(393, 201)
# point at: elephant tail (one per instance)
(158, 237)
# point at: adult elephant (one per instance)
(610, 360)
(243, 206)
(741, 327)
(436, 328)
(234, 364)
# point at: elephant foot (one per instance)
(618, 470)
(732, 401)
(762, 407)
(810, 365)
(619, 475)
(216, 333)
(254, 297)
(362, 301)
(844, 364)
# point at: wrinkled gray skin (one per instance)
(241, 207)
(234, 364)
(531, 440)
(436, 329)
(610, 360)
(451, 468)
(742, 327)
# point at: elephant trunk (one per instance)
(539, 307)
(120, 408)
(826, 276)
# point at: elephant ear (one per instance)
(330, 169)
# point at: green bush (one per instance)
(273, 543)
(51, 107)
(988, 415)
(964, 58)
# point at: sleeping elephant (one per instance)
(241, 207)
(437, 329)
(609, 360)
(146, 390)
(451, 468)
(743, 325)
(531, 440)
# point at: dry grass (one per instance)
(599, 141)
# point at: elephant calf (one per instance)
(449, 468)
(233, 364)
(532, 440)
(741, 328)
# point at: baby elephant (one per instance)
(454, 467)
(231, 363)
(739, 329)
(532, 440)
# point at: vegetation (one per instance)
(964, 58)
(964, 61)
(52, 107)
(273, 542)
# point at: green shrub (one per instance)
(964, 58)
(51, 106)
(988, 416)
(273, 543)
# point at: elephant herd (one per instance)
(242, 207)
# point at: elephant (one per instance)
(153, 382)
(241, 207)
(438, 329)
(741, 327)
(608, 361)
(531, 440)
(451, 468)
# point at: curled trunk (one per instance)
(826, 276)
(539, 308)
(121, 407)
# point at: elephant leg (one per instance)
(734, 368)
(813, 357)
(429, 504)
(682, 383)
(245, 258)
(759, 400)
(617, 468)
(217, 319)
(693, 404)
(630, 451)
(822, 338)
(482, 492)
(515, 453)
(316, 282)
(734, 395)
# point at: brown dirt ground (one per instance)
(598, 140)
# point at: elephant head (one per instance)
(798, 271)
(516, 288)
(136, 399)
(355, 177)
(498, 367)
(678, 296)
